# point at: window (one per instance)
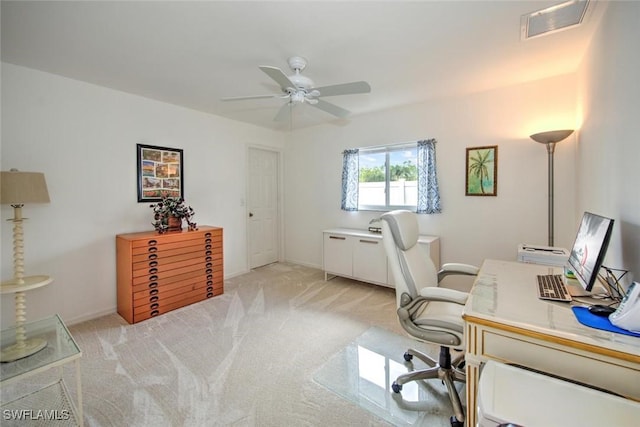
(400, 176)
(387, 178)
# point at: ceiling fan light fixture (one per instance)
(555, 18)
(297, 97)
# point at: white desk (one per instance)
(505, 321)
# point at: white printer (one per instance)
(546, 255)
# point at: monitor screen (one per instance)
(589, 248)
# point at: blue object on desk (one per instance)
(586, 318)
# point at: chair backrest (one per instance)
(411, 266)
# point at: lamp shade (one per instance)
(551, 136)
(18, 188)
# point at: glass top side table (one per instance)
(60, 349)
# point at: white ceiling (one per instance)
(194, 53)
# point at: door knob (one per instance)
(250, 214)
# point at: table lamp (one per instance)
(16, 189)
(550, 139)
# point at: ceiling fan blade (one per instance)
(280, 77)
(344, 89)
(242, 98)
(283, 113)
(331, 108)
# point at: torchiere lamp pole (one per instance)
(550, 139)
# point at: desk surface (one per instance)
(504, 296)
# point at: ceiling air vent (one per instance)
(555, 18)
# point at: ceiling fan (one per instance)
(299, 89)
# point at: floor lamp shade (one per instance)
(552, 136)
(17, 189)
(550, 139)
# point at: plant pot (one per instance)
(174, 223)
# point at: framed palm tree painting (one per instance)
(482, 171)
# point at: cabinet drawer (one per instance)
(151, 253)
(156, 261)
(145, 295)
(159, 267)
(166, 281)
(141, 314)
(163, 295)
(152, 277)
(172, 248)
(184, 239)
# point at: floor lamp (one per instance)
(550, 139)
(16, 189)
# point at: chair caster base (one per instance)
(455, 423)
(396, 387)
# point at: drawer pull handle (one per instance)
(154, 313)
(207, 234)
(152, 242)
(153, 270)
(207, 247)
(209, 282)
(207, 240)
(207, 253)
(153, 256)
(153, 292)
(209, 295)
(209, 271)
(153, 264)
(154, 306)
(152, 249)
(153, 285)
(209, 277)
(208, 258)
(153, 298)
(375, 242)
(337, 237)
(209, 265)
(210, 289)
(153, 278)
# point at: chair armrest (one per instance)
(444, 294)
(452, 268)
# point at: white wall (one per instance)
(83, 137)
(471, 228)
(609, 150)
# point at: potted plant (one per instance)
(169, 213)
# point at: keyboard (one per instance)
(552, 288)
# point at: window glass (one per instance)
(388, 178)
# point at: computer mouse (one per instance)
(601, 310)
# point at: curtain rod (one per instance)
(373, 147)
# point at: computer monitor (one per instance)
(589, 248)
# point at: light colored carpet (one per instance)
(245, 358)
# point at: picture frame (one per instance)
(160, 172)
(482, 171)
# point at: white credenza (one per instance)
(360, 255)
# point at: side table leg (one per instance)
(79, 391)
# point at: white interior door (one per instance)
(263, 207)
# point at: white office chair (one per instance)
(427, 312)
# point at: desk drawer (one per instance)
(564, 361)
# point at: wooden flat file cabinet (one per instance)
(158, 273)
